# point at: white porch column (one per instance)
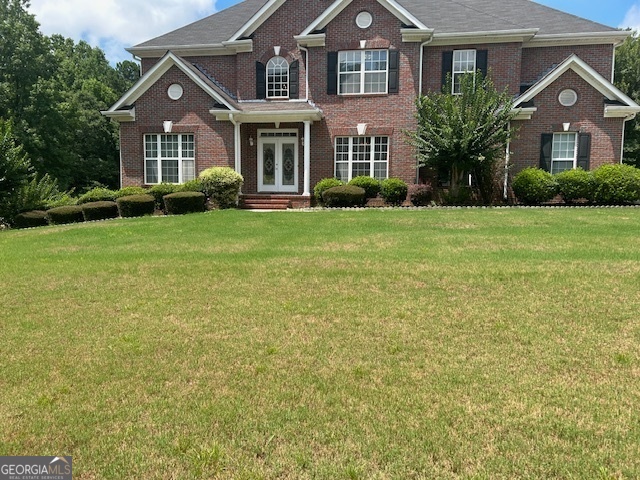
(307, 158)
(238, 148)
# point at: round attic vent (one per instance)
(175, 91)
(568, 97)
(364, 20)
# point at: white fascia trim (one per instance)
(268, 117)
(588, 74)
(156, 72)
(620, 111)
(524, 113)
(560, 39)
(498, 36)
(313, 40)
(258, 19)
(225, 48)
(121, 115)
(416, 35)
(339, 5)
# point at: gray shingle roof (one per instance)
(445, 16)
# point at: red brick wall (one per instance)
(537, 61)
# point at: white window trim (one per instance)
(371, 160)
(455, 72)
(363, 72)
(159, 158)
(286, 84)
(573, 159)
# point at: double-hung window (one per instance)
(169, 158)
(564, 152)
(363, 71)
(464, 61)
(357, 156)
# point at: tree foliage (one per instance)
(15, 168)
(464, 134)
(627, 79)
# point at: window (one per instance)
(169, 158)
(277, 78)
(362, 71)
(357, 156)
(563, 152)
(464, 61)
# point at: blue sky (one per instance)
(114, 25)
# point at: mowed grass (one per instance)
(490, 343)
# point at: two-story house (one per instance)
(288, 92)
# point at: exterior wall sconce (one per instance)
(167, 126)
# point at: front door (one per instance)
(278, 161)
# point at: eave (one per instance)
(283, 116)
(416, 35)
(500, 36)
(621, 111)
(524, 113)
(121, 115)
(563, 39)
(224, 48)
(311, 40)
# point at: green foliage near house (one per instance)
(125, 191)
(62, 215)
(393, 190)
(100, 210)
(371, 185)
(36, 218)
(344, 196)
(627, 79)
(98, 194)
(162, 189)
(575, 184)
(136, 205)
(420, 194)
(616, 184)
(222, 186)
(325, 184)
(180, 203)
(533, 186)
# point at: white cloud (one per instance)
(116, 24)
(632, 18)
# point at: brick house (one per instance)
(288, 92)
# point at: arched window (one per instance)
(277, 78)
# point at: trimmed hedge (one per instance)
(420, 195)
(136, 205)
(371, 185)
(344, 196)
(126, 191)
(533, 186)
(62, 215)
(162, 189)
(35, 218)
(222, 186)
(98, 194)
(323, 185)
(192, 186)
(616, 184)
(394, 191)
(575, 185)
(99, 210)
(180, 203)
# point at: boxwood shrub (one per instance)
(34, 218)
(126, 191)
(575, 185)
(420, 194)
(616, 184)
(99, 210)
(222, 186)
(162, 189)
(180, 203)
(68, 214)
(98, 194)
(394, 191)
(323, 185)
(533, 186)
(371, 185)
(136, 205)
(344, 196)
(192, 186)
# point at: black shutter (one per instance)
(545, 151)
(261, 81)
(584, 150)
(332, 73)
(481, 61)
(447, 69)
(294, 82)
(394, 71)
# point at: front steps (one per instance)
(273, 202)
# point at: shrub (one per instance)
(126, 191)
(180, 203)
(63, 200)
(68, 214)
(533, 186)
(98, 194)
(136, 205)
(222, 186)
(344, 196)
(420, 194)
(162, 189)
(615, 184)
(99, 210)
(323, 185)
(35, 218)
(192, 186)
(394, 191)
(371, 185)
(575, 184)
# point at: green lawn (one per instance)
(464, 343)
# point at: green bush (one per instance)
(126, 191)
(35, 218)
(323, 185)
(192, 186)
(68, 214)
(162, 189)
(63, 200)
(344, 196)
(99, 210)
(394, 191)
(575, 184)
(533, 186)
(616, 184)
(371, 185)
(420, 194)
(98, 194)
(136, 205)
(222, 186)
(180, 203)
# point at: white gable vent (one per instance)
(364, 20)
(175, 91)
(568, 98)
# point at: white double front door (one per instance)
(278, 161)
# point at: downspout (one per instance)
(236, 143)
(422, 45)
(306, 72)
(507, 159)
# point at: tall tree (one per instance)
(627, 79)
(15, 168)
